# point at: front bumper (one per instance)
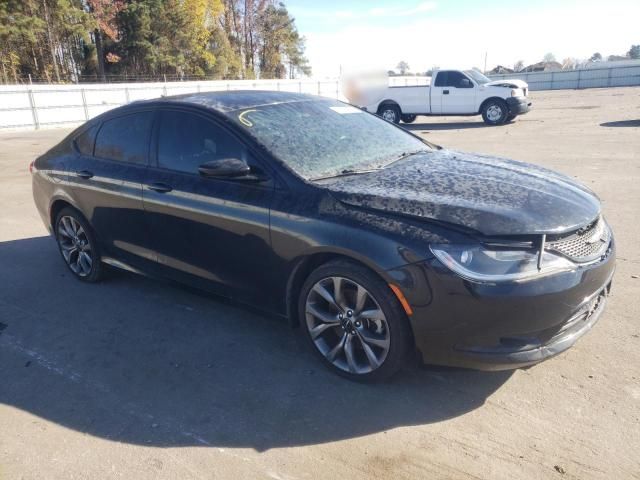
(501, 326)
(516, 352)
(518, 105)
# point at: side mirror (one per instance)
(465, 83)
(224, 168)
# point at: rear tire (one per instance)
(353, 322)
(78, 245)
(495, 112)
(408, 118)
(390, 112)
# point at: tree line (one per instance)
(75, 40)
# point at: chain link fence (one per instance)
(119, 78)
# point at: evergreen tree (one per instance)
(63, 40)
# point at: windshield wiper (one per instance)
(346, 172)
(351, 171)
(404, 155)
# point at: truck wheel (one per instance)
(408, 118)
(390, 112)
(495, 112)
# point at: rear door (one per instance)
(212, 232)
(459, 94)
(106, 182)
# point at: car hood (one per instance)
(490, 195)
(509, 83)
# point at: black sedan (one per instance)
(377, 243)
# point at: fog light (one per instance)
(466, 257)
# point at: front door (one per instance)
(207, 230)
(459, 94)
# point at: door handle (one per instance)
(159, 187)
(86, 174)
(445, 92)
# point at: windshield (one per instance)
(323, 138)
(477, 76)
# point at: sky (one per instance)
(360, 35)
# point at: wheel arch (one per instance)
(487, 100)
(56, 207)
(306, 264)
(388, 101)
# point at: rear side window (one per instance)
(125, 139)
(85, 141)
(441, 79)
(186, 141)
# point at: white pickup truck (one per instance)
(451, 92)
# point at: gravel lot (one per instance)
(135, 378)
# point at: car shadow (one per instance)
(139, 361)
(622, 123)
(443, 126)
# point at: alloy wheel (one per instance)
(75, 246)
(347, 325)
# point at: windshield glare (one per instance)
(322, 138)
(477, 76)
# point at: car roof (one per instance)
(228, 101)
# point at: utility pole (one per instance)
(485, 61)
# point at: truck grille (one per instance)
(585, 245)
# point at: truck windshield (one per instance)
(323, 138)
(477, 76)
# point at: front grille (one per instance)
(585, 245)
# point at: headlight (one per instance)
(517, 92)
(481, 264)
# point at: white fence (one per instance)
(40, 106)
(619, 76)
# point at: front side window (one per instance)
(455, 79)
(321, 137)
(125, 139)
(186, 141)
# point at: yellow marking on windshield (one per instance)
(245, 121)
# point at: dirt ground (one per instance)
(134, 378)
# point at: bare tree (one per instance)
(596, 57)
(403, 67)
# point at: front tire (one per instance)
(353, 321)
(78, 245)
(390, 112)
(495, 112)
